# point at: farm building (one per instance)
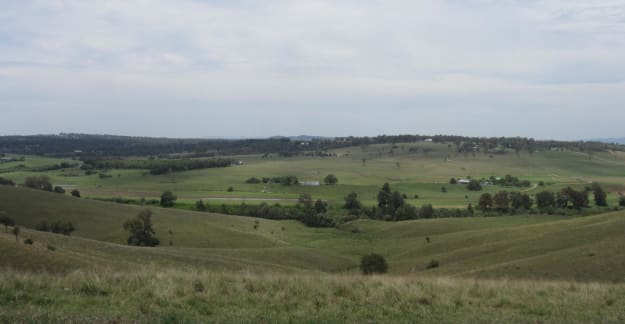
(310, 183)
(463, 181)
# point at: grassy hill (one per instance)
(531, 247)
(221, 269)
(422, 173)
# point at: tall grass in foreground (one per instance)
(179, 296)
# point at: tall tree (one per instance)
(141, 230)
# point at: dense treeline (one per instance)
(284, 180)
(311, 214)
(59, 227)
(108, 145)
(156, 166)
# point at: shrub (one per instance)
(51, 247)
(59, 189)
(330, 179)
(168, 199)
(373, 263)
(621, 201)
(76, 193)
(253, 180)
(474, 185)
(28, 241)
(198, 286)
(433, 264)
(230, 189)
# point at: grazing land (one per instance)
(523, 266)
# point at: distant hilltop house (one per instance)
(464, 181)
(427, 140)
(310, 183)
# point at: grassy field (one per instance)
(224, 268)
(412, 173)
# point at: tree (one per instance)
(486, 201)
(38, 182)
(545, 199)
(578, 199)
(76, 193)
(470, 209)
(16, 232)
(330, 179)
(168, 199)
(621, 201)
(141, 230)
(59, 189)
(453, 181)
(599, 194)
(474, 185)
(501, 200)
(373, 263)
(352, 203)
(306, 200)
(520, 201)
(321, 207)
(6, 221)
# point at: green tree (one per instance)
(306, 200)
(59, 189)
(474, 185)
(320, 206)
(373, 263)
(330, 179)
(453, 181)
(168, 199)
(352, 204)
(141, 230)
(41, 182)
(599, 194)
(6, 221)
(545, 199)
(501, 200)
(485, 202)
(76, 193)
(621, 201)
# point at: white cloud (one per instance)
(289, 55)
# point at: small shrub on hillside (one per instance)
(373, 263)
(90, 289)
(198, 286)
(621, 201)
(230, 189)
(28, 241)
(76, 193)
(433, 264)
(59, 189)
(51, 247)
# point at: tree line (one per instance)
(156, 166)
(109, 145)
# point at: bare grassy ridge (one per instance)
(168, 296)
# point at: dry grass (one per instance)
(162, 295)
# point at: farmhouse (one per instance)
(313, 183)
(463, 181)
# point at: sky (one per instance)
(237, 68)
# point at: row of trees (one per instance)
(284, 180)
(58, 227)
(155, 167)
(565, 198)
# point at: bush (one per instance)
(59, 189)
(474, 185)
(198, 286)
(433, 264)
(51, 247)
(330, 179)
(373, 263)
(76, 193)
(28, 241)
(168, 199)
(253, 180)
(621, 201)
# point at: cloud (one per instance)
(415, 58)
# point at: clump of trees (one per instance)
(474, 185)
(141, 230)
(58, 227)
(373, 263)
(59, 189)
(40, 182)
(330, 179)
(75, 193)
(509, 181)
(6, 221)
(168, 199)
(6, 182)
(154, 166)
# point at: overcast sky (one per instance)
(237, 68)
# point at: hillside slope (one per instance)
(534, 247)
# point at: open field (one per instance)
(421, 174)
(227, 268)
